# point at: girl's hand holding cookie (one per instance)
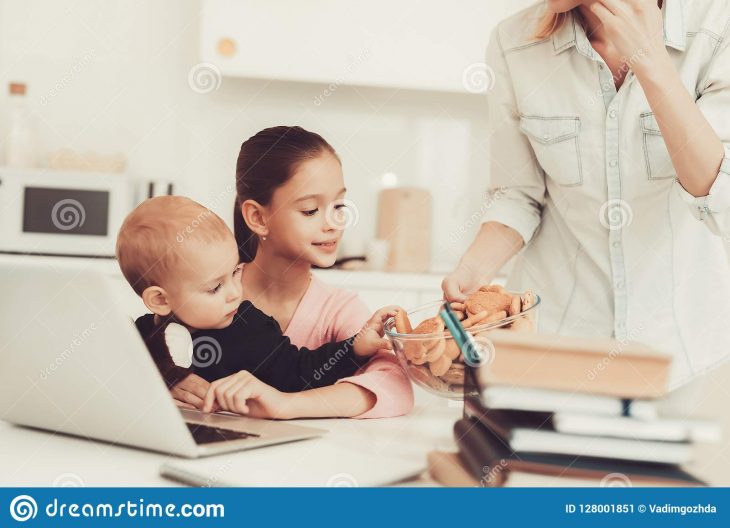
(370, 339)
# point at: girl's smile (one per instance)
(329, 246)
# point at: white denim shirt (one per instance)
(614, 245)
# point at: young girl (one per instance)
(290, 193)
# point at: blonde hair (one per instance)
(550, 23)
(152, 237)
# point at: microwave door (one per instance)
(63, 214)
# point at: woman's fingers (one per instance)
(617, 7)
(452, 290)
(602, 12)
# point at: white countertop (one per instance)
(32, 457)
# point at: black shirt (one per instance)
(253, 342)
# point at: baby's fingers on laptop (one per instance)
(183, 405)
(195, 384)
(188, 398)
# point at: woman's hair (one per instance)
(551, 22)
(267, 161)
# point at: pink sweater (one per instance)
(327, 314)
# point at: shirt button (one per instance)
(620, 285)
(546, 136)
(600, 66)
(616, 244)
(612, 114)
(612, 163)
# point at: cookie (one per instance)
(516, 306)
(440, 366)
(493, 288)
(496, 316)
(451, 349)
(455, 374)
(474, 319)
(528, 301)
(402, 323)
(437, 350)
(488, 301)
(432, 325)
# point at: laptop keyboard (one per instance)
(205, 434)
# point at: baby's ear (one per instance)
(156, 300)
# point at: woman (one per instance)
(611, 168)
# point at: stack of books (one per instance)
(580, 409)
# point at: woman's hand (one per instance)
(492, 248)
(635, 28)
(190, 392)
(459, 283)
(244, 393)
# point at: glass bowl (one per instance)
(419, 354)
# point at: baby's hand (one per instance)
(244, 393)
(370, 339)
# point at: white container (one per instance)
(376, 254)
(20, 147)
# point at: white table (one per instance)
(31, 457)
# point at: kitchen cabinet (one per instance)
(412, 44)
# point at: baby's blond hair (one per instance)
(153, 236)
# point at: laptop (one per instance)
(72, 362)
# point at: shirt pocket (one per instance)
(656, 156)
(555, 141)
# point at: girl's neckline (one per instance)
(295, 313)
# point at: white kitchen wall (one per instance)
(112, 76)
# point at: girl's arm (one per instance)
(382, 387)
(390, 390)
(344, 400)
(245, 394)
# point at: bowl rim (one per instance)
(390, 322)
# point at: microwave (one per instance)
(51, 212)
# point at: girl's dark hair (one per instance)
(266, 162)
